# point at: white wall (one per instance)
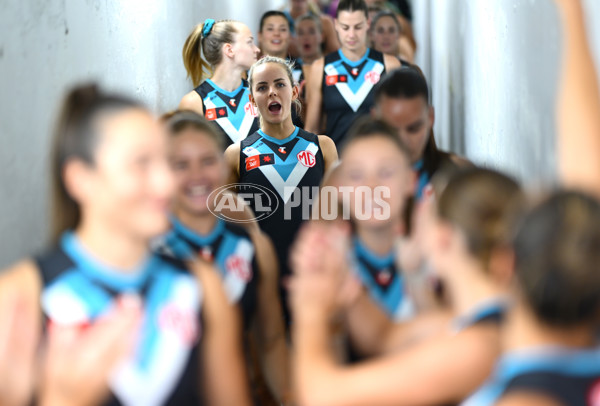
(493, 67)
(133, 46)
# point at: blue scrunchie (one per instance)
(208, 24)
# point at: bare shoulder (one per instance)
(327, 145)
(390, 62)
(192, 101)
(461, 161)
(317, 66)
(22, 276)
(329, 151)
(232, 155)
(326, 20)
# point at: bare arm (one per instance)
(314, 97)
(373, 333)
(329, 35)
(232, 156)
(269, 328)
(578, 106)
(193, 102)
(367, 325)
(390, 63)
(454, 365)
(225, 380)
(329, 150)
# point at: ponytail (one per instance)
(207, 38)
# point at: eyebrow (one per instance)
(264, 83)
(348, 25)
(416, 123)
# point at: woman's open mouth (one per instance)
(275, 107)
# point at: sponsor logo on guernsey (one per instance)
(180, 321)
(250, 109)
(372, 77)
(384, 277)
(256, 161)
(213, 114)
(239, 266)
(331, 80)
(220, 116)
(307, 158)
(354, 99)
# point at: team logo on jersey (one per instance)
(206, 254)
(213, 114)
(384, 277)
(282, 150)
(239, 266)
(232, 102)
(354, 71)
(307, 159)
(180, 321)
(331, 80)
(250, 109)
(253, 162)
(372, 77)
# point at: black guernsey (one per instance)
(232, 112)
(284, 176)
(347, 89)
(163, 369)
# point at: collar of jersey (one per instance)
(550, 358)
(418, 165)
(195, 237)
(277, 140)
(354, 63)
(377, 260)
(485, 309)
(119, 279)
(225, 92)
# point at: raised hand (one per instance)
(79, 360)
(321, 281)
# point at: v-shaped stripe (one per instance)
(234, 135)
(354, 100)
(285, 188)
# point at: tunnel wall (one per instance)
(493, 68)
(131, 46)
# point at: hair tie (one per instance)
(208, 24)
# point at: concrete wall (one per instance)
(493, 67)
(132, 46)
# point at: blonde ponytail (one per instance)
(207, 38)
